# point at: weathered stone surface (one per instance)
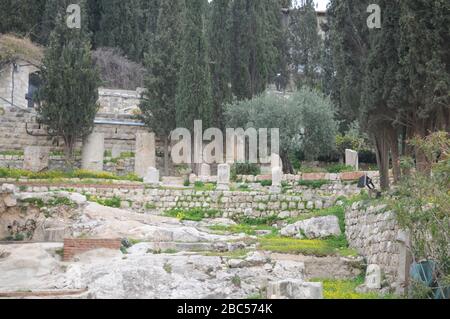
(352, 159)
(223, 177)
(320, 227)
(152, 176)
(36, 158)
(294, 289)
(145, 153)
(116, 151)
(277, 177)
(93, 152)
(373, 277)
(205, 170)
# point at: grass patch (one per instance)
(51, 175)
(114, 202)
(195, 214)
(320, 248)
(244, 229)
(346, 289)
(313, 184)
(339, 168)
(268, 221)
(236, 254)
(200, 186)
(12, 153)
(266, 183)
(54, 202)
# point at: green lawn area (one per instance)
(315, 247)
(243, 229)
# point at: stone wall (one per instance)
(373, 231)
(253, 204)
(119, 101)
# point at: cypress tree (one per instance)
(219, 53)
(193, 99)
(69, 93)
(163, 64)
(121, 26)
(306, 45)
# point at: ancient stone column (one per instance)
(205, 171)
(277, 176)
(152, 176)
(352, 159)
(36, 158)
(404, 262)
(276, 161)
(93, 152)
(223, 177)
(145, 153)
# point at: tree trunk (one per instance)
(393, 144)
(287, 165)
(423, 164)
(68, 154)
(166, 156)
(382, 152)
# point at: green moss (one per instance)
(236, 254)
(12, 153)
(204, 187)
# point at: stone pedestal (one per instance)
(277, 176)
(373, 277)
(404, 262)
(36, 158)
(145, 153)
(93, 152)
(152, 176)
(223, 177)
(276, 161)
(352, 159)
(205, 171)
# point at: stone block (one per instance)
(152, 176)
(36, 158)
(223, 177)
(93, 152)
(352, 159)
(145, 153)
(294, 289)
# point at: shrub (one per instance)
(266, 183)
(339, 168)
(195, 214)
(244, 169)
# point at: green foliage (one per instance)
(313, 184)
(194, 214)
(339, 168)
(193, 98)
(305, 120)
(162, 61)
(69, 92)
(263, 221)
(244, 229)
(346, 289)
(200, 186)
(114, 202)
(305, 44)
(80, 174)
(422, 204)
(12, 153)
(319, 248)
(266, 183)
(244, 169)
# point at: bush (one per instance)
(339, 168)
(266, 183)
(244, 169)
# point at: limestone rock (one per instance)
(294, 289)
(319, 227)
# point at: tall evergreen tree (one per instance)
(219, 53)
(193, 100)
(69, 93)
(421, 94)
(163, 64)
(255, 29)
(23, 17)
(306, 45)
(121, 26)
